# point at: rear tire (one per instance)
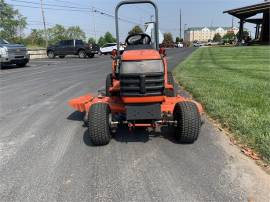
(108, 84)
(62, 56)
(188, 122)
(82, 54)
(170, 93)
(51, 54)
(91, 55)
(99, 126)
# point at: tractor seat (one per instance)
(139, 47)
(138, 41)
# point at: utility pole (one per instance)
(94, 22)
(180, 28)
(185, 27)
(44, 22)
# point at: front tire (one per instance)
(188, 122)
(82, 54)
(62, 56)
(99, 126)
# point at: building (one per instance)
(149, 28)
(203, 34)
(248, 14)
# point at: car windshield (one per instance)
(145, 66)
(3, 41)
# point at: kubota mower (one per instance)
(139, 92)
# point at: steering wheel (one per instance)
(138, 39)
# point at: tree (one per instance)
(229, 37)
(91, 40)
(36, 37)
(168, 39)
(57, 33)
(108, 37)
(178, 40)
(101, 41)
(75, 32)
(135, 30)
(12, 22)
(217, 38)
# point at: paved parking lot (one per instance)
(46, 155)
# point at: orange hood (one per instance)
(147, 54)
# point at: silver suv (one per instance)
(12, 54)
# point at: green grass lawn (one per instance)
(233, 84)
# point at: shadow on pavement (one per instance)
(123, 135)
(76, 116)
(7, 67)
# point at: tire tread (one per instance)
(189, 122)
(98, 126)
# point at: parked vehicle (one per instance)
(197, 44)
(179, 45)
(109, 47)
(72, 47)
(13, 54)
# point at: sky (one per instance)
(78, 13)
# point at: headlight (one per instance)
(3, 50)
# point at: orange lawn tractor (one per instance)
(140, 92)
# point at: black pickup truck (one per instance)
(72, 47)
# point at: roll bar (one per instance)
(136, 2)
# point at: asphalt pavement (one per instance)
(46, 154)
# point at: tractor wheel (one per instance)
(168, 92)
(99, 126)
(188, 122)
(108, 84)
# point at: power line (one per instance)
(46, 8)
(46, 4)
(77, 10)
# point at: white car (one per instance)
(109, 47)
(179, 45)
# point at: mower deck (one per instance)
(83, 103)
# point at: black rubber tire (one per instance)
(108, 84)
(21, 64)
(62, 56)
(51, 54)
(91, 55)
(82, 54)
(98, 126)
(167, 92)
(188, 122)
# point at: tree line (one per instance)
(12, 25)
